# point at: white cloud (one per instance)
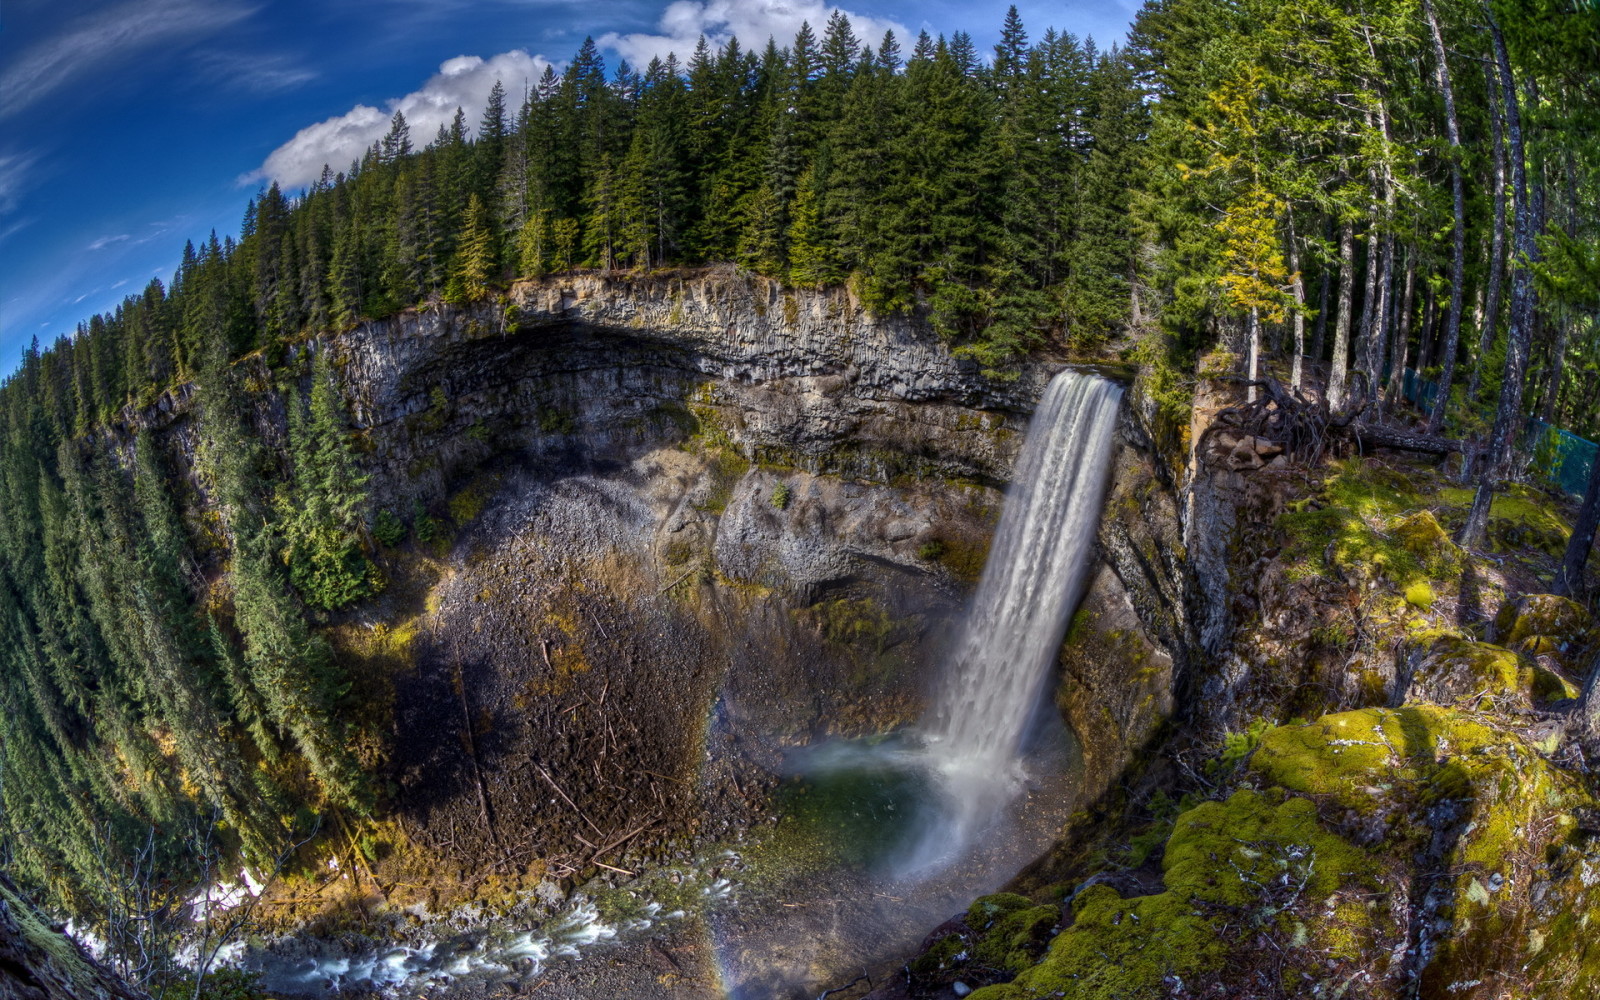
(14, 171)
(103, 35)
(105, 241)
(753, 21)
(464, 82)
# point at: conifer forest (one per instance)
(1327, 230)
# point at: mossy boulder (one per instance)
(1012, 931)
(1243, 869)
(1421, 535)
(1544, 624)
(1383, 853)
(1448, 669)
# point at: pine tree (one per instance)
(475, 264)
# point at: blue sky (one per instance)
(129, 126)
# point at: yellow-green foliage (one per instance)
(862, 623)
(727, 468)
(469, 502)
(963, 558)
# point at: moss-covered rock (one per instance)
(1238, 870)
(1421, 535)
(1012, 931)
(1544, 624)
(1416, 852)
(1447, 669)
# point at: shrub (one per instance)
(780, 496)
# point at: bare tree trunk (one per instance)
(1558, 368)
(1497, 240)
(1569, 580)
(1508, 413)
(1382, 311)
(1338, 372)
(1426, 346)
(1299, 318)
(1458, 235)
(1319, 334)
(1369, 298)
(1255, 352)
(1400, 346)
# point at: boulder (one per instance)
(1541, 625)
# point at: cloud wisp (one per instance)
(92, 40)
(752, 21)
(463, 82)
(105, 241)
(257, 74)
(14, 171)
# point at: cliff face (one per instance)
(598, 365)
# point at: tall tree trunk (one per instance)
(1458, 234)
(1382, 315)
(1558, 368)
(1569, 579)
(1319, 334)
(1497, 240)
(1367, 333)
(1299, 317)
(1400, 345)
(1339, 369)
(1427, 345)
(1255, 352)
(1508, 413)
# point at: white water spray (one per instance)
(1035, 574)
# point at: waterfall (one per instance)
(1034, 576)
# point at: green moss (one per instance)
(727, 468)
(1547, 616)
(1364, 524)
(945, 954)
(1338, 757)
(1421, 535)
(1233, 869)
(962, 557)
(556, 421)
(1267, 883)
(1012, 931)
(1520, 517)
(1420, 595)
(468, 503)
(1551, 686)
(1453, 668)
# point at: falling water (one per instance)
(1035, 574)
